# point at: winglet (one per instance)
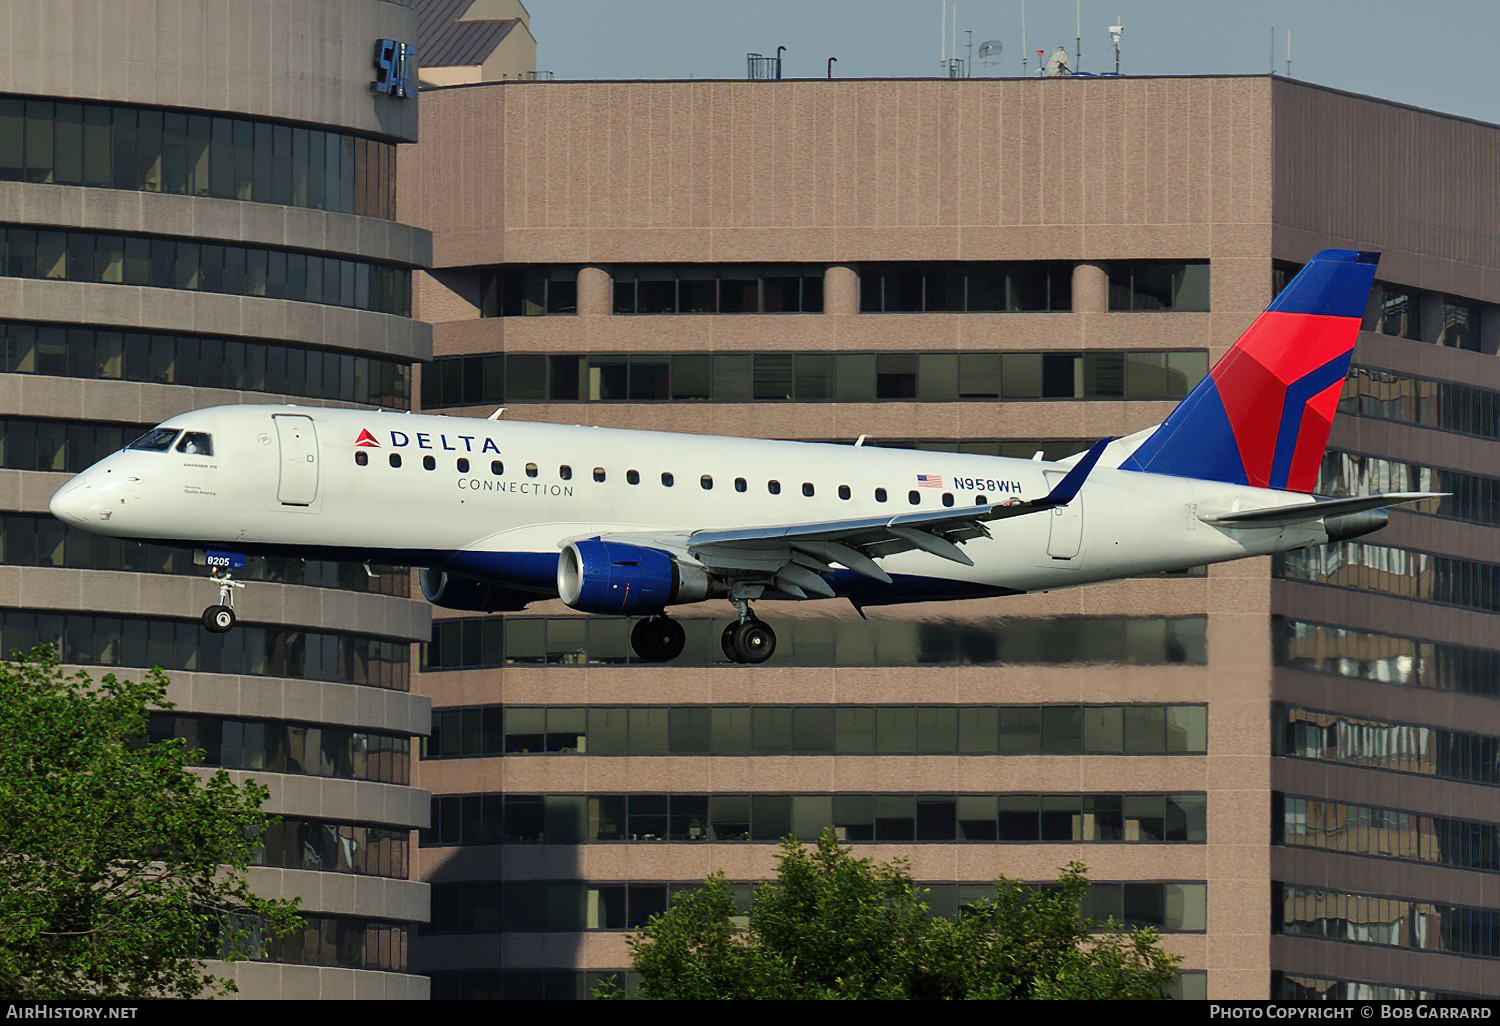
(1069, 486)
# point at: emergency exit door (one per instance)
(298, 481)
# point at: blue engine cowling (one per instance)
(611, 577)
(454, 592)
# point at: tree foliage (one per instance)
(122, 869)
(834, 926)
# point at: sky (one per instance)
(1443, 55)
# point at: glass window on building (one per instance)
(1158, 285)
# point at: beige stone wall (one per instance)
(843, 170)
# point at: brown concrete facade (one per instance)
(1240, 172)
(307, 66)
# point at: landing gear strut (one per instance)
(748, 639)
(658, 639)
(220, 618)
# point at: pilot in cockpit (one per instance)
(196, 443)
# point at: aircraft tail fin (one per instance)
(1263, 414)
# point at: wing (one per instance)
(793, 557)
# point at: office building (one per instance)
(197, 207)
(1289, 766)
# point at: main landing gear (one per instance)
(660, 639)
(220, 618)
(748, 639)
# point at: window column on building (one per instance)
(1090, 288)
(840, 290)
(596, 292)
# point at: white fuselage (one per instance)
(287, 478)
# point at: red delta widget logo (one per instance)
(425, 440)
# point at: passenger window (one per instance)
(740, 485)
(565, 472)
(632, 477)
(598, 473)
(947, 498)
(429, 462)
(395, 459)
(844, 492)
(463, 465)
(361, 457)
(807, 489)
(531, 470)
(196, 443)
(707, 482)
(497, 468)
(980, 500)
(914, 497)
(666, 479)
(155, 440)
(880, 495)
(774, 487)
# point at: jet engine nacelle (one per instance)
(454, 592)
(611, 577)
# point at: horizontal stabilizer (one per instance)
(1306, 512)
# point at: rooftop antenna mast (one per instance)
(1115, 32)
(1288, 53)
(1078, 36)
(1023, 38)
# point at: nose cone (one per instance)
(72, 501)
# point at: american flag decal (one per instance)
(929, 480)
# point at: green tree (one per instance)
(834, 926)
(122, 869)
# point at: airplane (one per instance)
(498, 514)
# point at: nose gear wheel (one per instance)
(219, 618)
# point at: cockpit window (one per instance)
(196, 443)
(155, 440)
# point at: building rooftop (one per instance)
(444, 41)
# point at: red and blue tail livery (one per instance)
(1263, 414)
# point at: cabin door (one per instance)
(298, 481)
(1065, 535)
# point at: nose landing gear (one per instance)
(220, 618)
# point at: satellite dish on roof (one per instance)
(990, 49)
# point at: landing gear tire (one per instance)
(218, 619)
(658, 639)
(749, 641)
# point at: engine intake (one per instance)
(596, 576)
(454, 592)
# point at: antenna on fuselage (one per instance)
(496, 414)
(860, 441)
